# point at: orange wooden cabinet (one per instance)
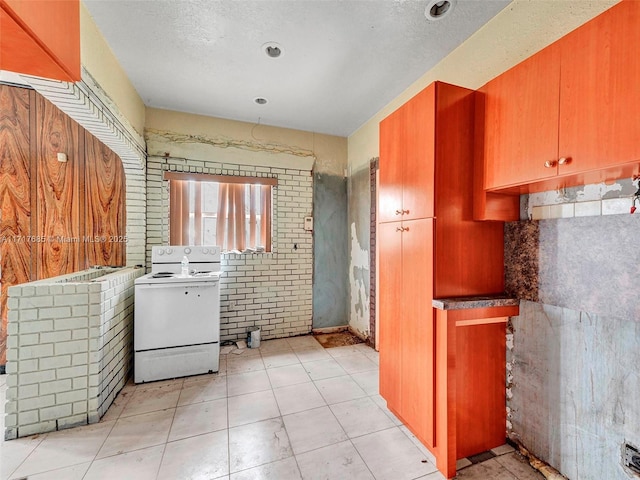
(41, 38)
(445, 253)
(568, 114)
(471, 382)
(408, 136)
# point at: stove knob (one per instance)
(169, 251)
(161, 251)
(187, 250)
(205, 251)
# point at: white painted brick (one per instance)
(58, 411)
(39, 402)
(75, 346)
(72, 421)
(56, 386)
(54, 312)
(34, 351)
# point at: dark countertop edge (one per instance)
(462, 303)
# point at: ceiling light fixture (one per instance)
(272, 49)
(438, 9)
(260, 100)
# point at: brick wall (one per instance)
(70, 345)
(269, 290)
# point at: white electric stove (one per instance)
(177, 316)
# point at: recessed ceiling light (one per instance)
(260, 100)
(438, 9)
(272, 49)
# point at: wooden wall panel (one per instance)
(105, 204)
(59, 193)
(15, 191)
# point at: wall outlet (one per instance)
(631, 458)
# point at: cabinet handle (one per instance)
(564, 160)
(405, 211)
(399, 212)
(550, 164)
(406, 229)
(399, 229)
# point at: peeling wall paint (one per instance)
(359, 188)
(359, 285)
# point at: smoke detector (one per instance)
(260, 100)
(438, 9)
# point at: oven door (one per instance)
(176, 314)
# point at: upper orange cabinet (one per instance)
(571, 110)
(407, 181)
(41, 38)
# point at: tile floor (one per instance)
(290, 410)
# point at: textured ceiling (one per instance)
(342, 60)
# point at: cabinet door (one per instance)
(392, 153)
(418, 168)
(521, 121)
(417, 331)
(60, 192)
(390, 317)
(600, 97)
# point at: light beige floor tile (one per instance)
(433, 476)
(150, 399)
(65, 448)
(252, 407)
(313, 429)
(249, 382)
(286, 469)
(382, 403)
(76, 472)
(490, 469)
(257, 444)
(312, 354)
(336, 352)
(138, 465)
(517, 465)
(279, 358)
(356, 362)
(304, 341)
(196, 458)
(14, 452)
(373, 356)
(242, 364)
(207, 389)
(222, 367)
(287, 375)
(503, 449)
(392, 456)
(199, 418)
(172, 383)
(199, 378)
(276, 345)
(139, 431)
(340, 461)
(424, 450)
(339, 389)
(321, 369)
(297, 398)
(361, 416)
(368, 381)
(116, 408)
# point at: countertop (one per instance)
(462, 303)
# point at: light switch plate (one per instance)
(308, 224)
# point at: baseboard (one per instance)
(341, 328)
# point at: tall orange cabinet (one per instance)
(429, 245)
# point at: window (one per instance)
(233, 212)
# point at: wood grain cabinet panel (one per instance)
(599, 97)
(407, 139)
(568, 115)
(57, 217)
(521, 121)
(15, 196)
(105, 221)
(444, 253)
(60, 192)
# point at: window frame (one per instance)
(233, 179)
